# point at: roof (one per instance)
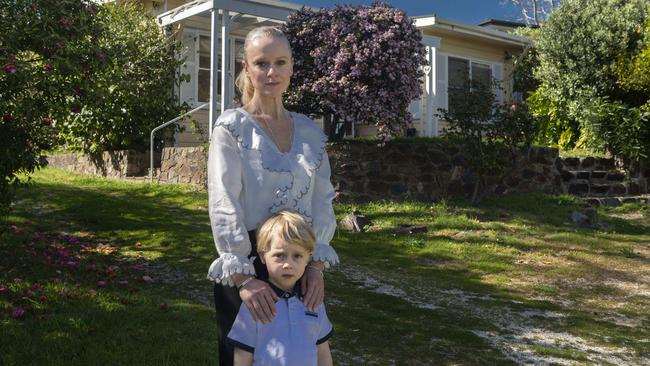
(270, 9)
(473, 31)
(505, 23)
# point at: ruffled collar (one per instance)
(307, 147)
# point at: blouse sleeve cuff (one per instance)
(326, 254)
(224, 267)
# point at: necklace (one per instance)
(273, 137)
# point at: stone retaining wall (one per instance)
(114, 164)
(184, 165)
(424, 172)
(591, 176)
(360, 172)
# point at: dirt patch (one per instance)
(521, 331)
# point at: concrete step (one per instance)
(616, 201)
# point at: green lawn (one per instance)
(106, 272)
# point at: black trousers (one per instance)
(227, 303)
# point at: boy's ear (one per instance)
(262, 257)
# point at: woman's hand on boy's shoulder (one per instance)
(260, 300)
(312, 284)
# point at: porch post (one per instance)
(431, 122)
(225, 60)
(214, 63)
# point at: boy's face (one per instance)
(286, 263)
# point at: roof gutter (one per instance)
(436, 22)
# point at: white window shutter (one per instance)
(497, 73)
(441, 83)
(188, 50)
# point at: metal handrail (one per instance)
(165, 125)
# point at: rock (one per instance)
(354, 222)
(586, 218)
(411, 229)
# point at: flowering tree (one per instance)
(357, 63)
(48, 54)
(72, 72)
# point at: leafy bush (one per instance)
(358, 63)
(618, 128)
(92, 77)
(48, 53)
(515, 126)
(491, 134)
(133, 92)
(585, 97)
(556, 125)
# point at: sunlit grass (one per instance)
(521, 251)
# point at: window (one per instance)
(196, 49)
(203, 74)
(461, 72)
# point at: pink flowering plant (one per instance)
(359, 64)
(35, 34)
(75, 73)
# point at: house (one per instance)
(455, 52)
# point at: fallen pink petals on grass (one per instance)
(147, 279)
(101, 283)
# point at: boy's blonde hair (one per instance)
(289, 226)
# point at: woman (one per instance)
(263, 159)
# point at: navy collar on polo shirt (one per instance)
(284, 294)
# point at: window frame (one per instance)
(473, 60)
(196, 34)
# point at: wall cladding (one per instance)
(399, 171)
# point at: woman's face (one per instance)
(269, 66)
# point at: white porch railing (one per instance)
(162, 126)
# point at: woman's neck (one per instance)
(271, 107)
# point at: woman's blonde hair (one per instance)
(243, 82)
(288, 226)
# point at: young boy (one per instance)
(296, 336)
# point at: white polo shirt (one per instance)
(290, 339)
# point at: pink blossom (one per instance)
(18, 313)
(514, 107)
(101, 283)
(3, 289)
(47, 121)
(10, 68)
(48, 66)
(7, 117)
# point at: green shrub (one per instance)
(133, 92)
(48, 53)
(492, 134)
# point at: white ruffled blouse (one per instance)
(249, 179)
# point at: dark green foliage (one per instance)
(491, 133)
(91, 77)
(48, 53)
(586, 98)
(133, 92)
